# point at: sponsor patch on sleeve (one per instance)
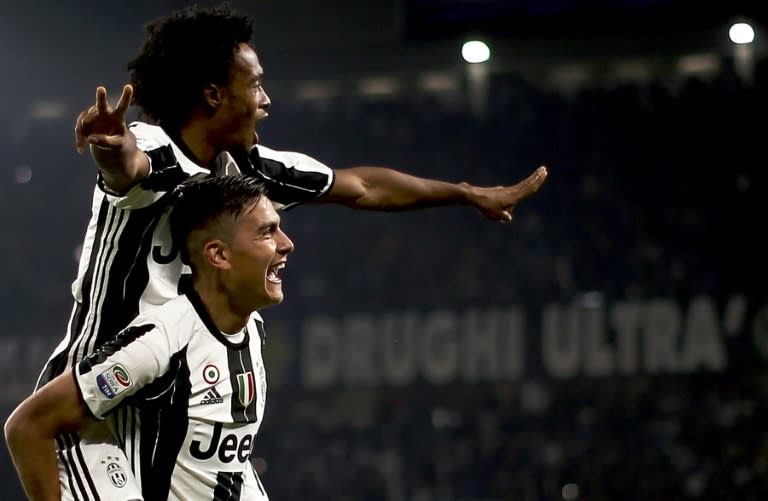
(114, 381)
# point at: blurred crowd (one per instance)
(634, 439)
(656, 189)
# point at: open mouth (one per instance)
(273, 273)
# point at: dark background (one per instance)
(657, 194)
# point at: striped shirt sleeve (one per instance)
(136, 357)
(292, 178)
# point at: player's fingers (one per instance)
(125, 99)
(532, 183)
(101, 100)
(103, 141)
(535, 180)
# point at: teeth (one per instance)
(273, 272)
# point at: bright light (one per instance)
(741, 33)
(23, 174)
(475, 51)
(570, 492)
(48, 110)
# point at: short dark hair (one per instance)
(199, 203)
(184, 52)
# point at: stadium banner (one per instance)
(586, 338)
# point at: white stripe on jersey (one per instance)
(87, 340)
(298, 177)
(125, 424)
(298, 162)
(81, 484)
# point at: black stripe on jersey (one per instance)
(185, 283)
(246, 161)
(86, 471)
(119, 418)
(166, 171)
(228, 486)
(121, 302)
(262, 332)
(288, 185)
(122, 276)
(199, 307)
(64, 459)
(106, 238)
(58, 363)
(167, 174)
(125, 419)
(86, 342)
(242, 377)
(84, 326)
(164, 421)
(79, 319)
(77, 323)
(76, 466)
(123, 339)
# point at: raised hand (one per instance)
(102, 126)
(498, 203)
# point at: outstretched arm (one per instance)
(378, 188)
(31, 429)
(113, 146)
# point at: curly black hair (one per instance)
(184, 52)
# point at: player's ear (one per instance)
(216, 253)
(212, 96)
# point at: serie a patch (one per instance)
(114, 381)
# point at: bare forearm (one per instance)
(34, 456)
(31, 429)
(379, 188)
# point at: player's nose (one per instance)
(284, 243)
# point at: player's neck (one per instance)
(220, 308)
(195, 142)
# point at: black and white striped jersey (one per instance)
(128, 262)
(200, 398)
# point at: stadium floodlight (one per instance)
(741, 33)
(475, 51)
(742, 36)
(23, 174)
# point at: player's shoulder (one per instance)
(290, 158)
(174, 314)
(149, 134)
(163, 152)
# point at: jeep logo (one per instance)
(228, 448)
